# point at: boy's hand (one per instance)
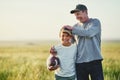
(52, 68)
(53, 51)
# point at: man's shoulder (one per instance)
(76, 24)
(94, 20)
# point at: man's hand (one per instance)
(67, 27)
(52, 68)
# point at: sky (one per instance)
(42, 19)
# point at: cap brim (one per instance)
(73, 11)
(66, 31)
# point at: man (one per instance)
(88, 33)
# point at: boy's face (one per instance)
(65, 38)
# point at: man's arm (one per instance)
(92, 31)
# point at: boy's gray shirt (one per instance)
(89, 41)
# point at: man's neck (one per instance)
(87, 19)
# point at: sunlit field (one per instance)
(27, 60)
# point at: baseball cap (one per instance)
(65, 30)
(79, 7)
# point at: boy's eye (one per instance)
(65, 35)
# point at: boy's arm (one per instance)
(53, 51)
(52, 68)
(47, 62)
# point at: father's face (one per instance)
(81, 16)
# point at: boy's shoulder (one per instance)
(74, 46)
(59, 46)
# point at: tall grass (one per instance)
(28, 62)
(111, 62)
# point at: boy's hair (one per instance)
(65, 30)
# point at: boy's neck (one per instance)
(68, 44)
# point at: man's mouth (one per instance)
(79, 18)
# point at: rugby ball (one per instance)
(54, 61)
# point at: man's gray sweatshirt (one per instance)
(88, 41)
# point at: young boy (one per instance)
(66, 52)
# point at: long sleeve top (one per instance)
(89, 41)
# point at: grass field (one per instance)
(27, 61)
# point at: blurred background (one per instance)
(28, 28)
(42, 19)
